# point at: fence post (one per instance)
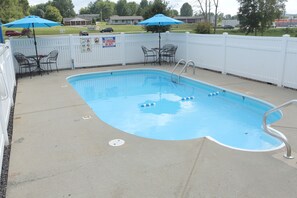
(72, 56)
(225, 35)
(282, 68)
(187, 46)
(123, 53)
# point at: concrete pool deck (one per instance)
(55, 153)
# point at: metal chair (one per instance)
(50, 59)
(149, 53)
(24, 63)
(168, 53)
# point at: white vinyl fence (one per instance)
(7, 84)
(268, 59)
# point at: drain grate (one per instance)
(116, 142)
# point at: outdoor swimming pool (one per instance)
(147, 103)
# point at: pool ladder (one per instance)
(275, 133)
(184, 69)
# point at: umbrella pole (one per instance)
(37, 58)
(159, 45)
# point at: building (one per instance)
(190, 19)
(89, 17)
(232, 22)
(76, 21)
(124, 20)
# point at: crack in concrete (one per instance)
(192, 169)
(44, 110)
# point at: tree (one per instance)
(65, 7)
(173, 13)
(216, 4)
(186, 10)
(205, 6)
(24, 5)
(52, 13)
(142, 7)
(11, 10)
(269, 11)
(157, 7)
(249, 16)
(258, 15)
(104, 8)
(132, 8)
(39, 9)
(121, 8)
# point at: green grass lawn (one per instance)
(60, 30)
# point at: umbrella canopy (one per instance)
(160, 20)
(32, 22)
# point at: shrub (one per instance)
(203, 28)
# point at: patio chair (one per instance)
(50, 59)
(149, 53)
(168, 53)
(24, 63)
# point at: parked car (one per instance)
(12, 33)
(83, 33)
(25, 32)
(230, 27)
(109, 29)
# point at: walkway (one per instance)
(55, 153)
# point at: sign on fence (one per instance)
(109, 41)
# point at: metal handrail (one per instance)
(181, 61)
(192, 64)
(185, 68)
(275, 133)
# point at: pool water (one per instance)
(147, 103)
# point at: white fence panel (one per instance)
(254, 57)
(133, 42)
(180, 41)
(98, 53)
(290, 66)
(44, 46)
(206, 51)
(7, 84)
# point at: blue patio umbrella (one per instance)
(160, 20)
(32, 22)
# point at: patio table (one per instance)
(37, 60)
(158, 52)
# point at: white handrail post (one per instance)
(187, 46)
(72, 56)
(281, 71)
(225, 35)
(123, 50)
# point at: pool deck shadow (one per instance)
(56, 153)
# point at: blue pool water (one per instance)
(146, 103)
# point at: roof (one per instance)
(116, 17)
(188, 17)
(74, 19)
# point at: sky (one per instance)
(225, 6)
